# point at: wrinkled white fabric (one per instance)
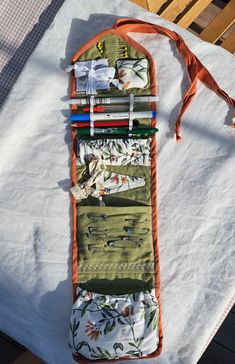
(196, 197)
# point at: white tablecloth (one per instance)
(196, 196)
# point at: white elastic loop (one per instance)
(92, 101)
(131, 111)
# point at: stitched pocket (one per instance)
(133, 73)
(115, 243)
(112, 327)
(114, 170)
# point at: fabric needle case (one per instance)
(116, 270)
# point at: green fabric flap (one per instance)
(113, 47)
(135, 196)
(116, 286)
(102, 249)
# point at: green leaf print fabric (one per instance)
(115, 152)
(113, 327)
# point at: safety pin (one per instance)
(93, 248)
(127, 245)
(96, 236)
(93, 230)
(97, 217)
(131, 230)
(136, 221)
(103, 217)
(124, 237)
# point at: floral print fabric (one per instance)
(115, 182)
(113, 327)
(132, 73)
(119, 152)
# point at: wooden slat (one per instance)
(154, 5)
(219, 24)
(151, 5)
(229, 43)
(194, 9)
(174, 9)
(207, 16)
(142, 3)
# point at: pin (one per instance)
(136, 221)
(93, 230)
(132, 230)
(97, 236)
(97, 217)
(124, 243)
(103, 217)
(93, 248)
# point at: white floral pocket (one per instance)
(113, 327)
(132, 73)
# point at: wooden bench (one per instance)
(220, 29)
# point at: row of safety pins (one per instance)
(131, 237)
(96, 116)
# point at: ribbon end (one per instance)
(178, 138)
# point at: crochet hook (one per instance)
(113, 116)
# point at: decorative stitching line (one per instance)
(117, 267)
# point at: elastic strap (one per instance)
(195, 68)
(92, 101)
(131, 108)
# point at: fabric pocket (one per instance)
(115, 152)
(132, 73)
(122, 186)
(114, 326)
(115, 243)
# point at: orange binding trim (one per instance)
(195, 68)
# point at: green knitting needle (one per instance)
(123, 131)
